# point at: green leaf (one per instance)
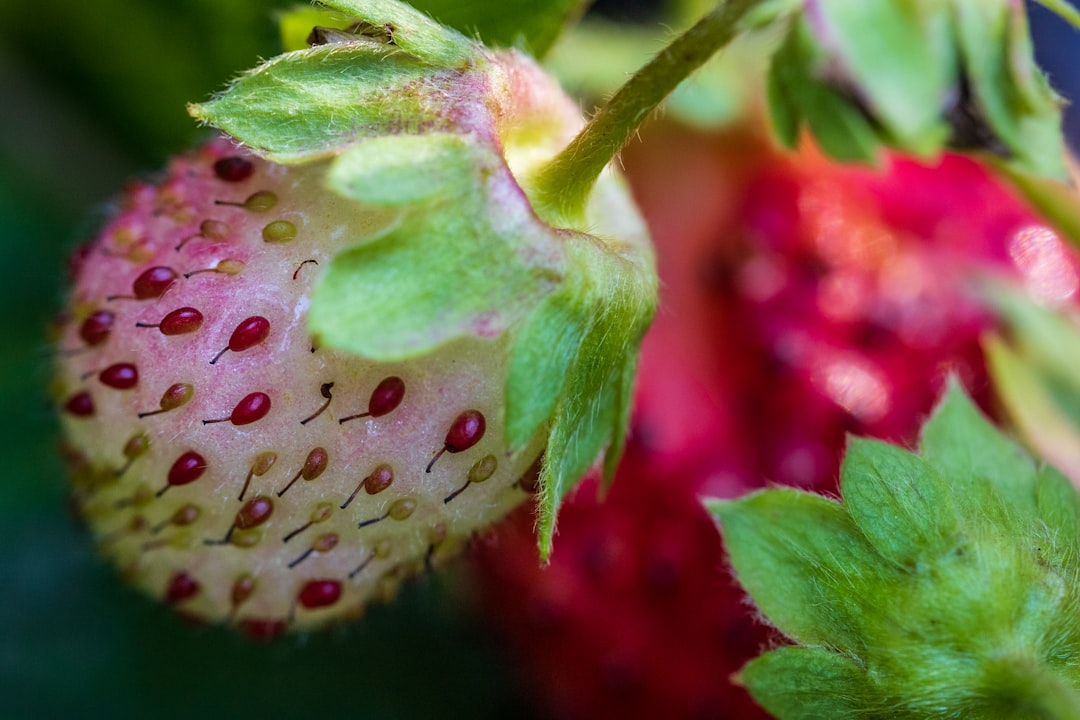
(532, 25)
(988, 471)
(400, 170)
(794, 683)
(401, 25)
(898, 56)
(898, 501)
(805, 563)
(450, 268)
(308, 104)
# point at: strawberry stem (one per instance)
(563, 185)
(1064, 10)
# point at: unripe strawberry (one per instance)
(286, 387)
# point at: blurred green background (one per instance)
(92, 94)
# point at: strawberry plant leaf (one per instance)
(895, 498)
(797, 683)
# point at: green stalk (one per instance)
(1064, 10)
(561, 188)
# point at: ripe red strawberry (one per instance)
(229, 464)
(802, 301)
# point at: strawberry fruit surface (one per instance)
(231, 465)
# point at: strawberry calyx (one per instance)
(416, 120)
(945, 579)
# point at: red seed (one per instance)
(253, 407)
(188, 468)
(255, 512)
(153, 283)
(179, 321)
(122, 376)
(80, 404)
(181, 587)
(233, 169)
(466, 431)
(319, 593)
(249, 333)
(96, 327)
(386, 396)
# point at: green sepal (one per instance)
(1036, 376)
(805, 562)
(1034, 410)
(450, 267)
(400, 25)
(401, 170)
(1053, 199)
(981, 625)
(1058, 504)
(898, 54)
(1012, 97)
(308, 104)
(531, 25)
(919, 76)
(796, 683)
(605, 304)
(986, 470)
(796, 97)
(898, 501)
